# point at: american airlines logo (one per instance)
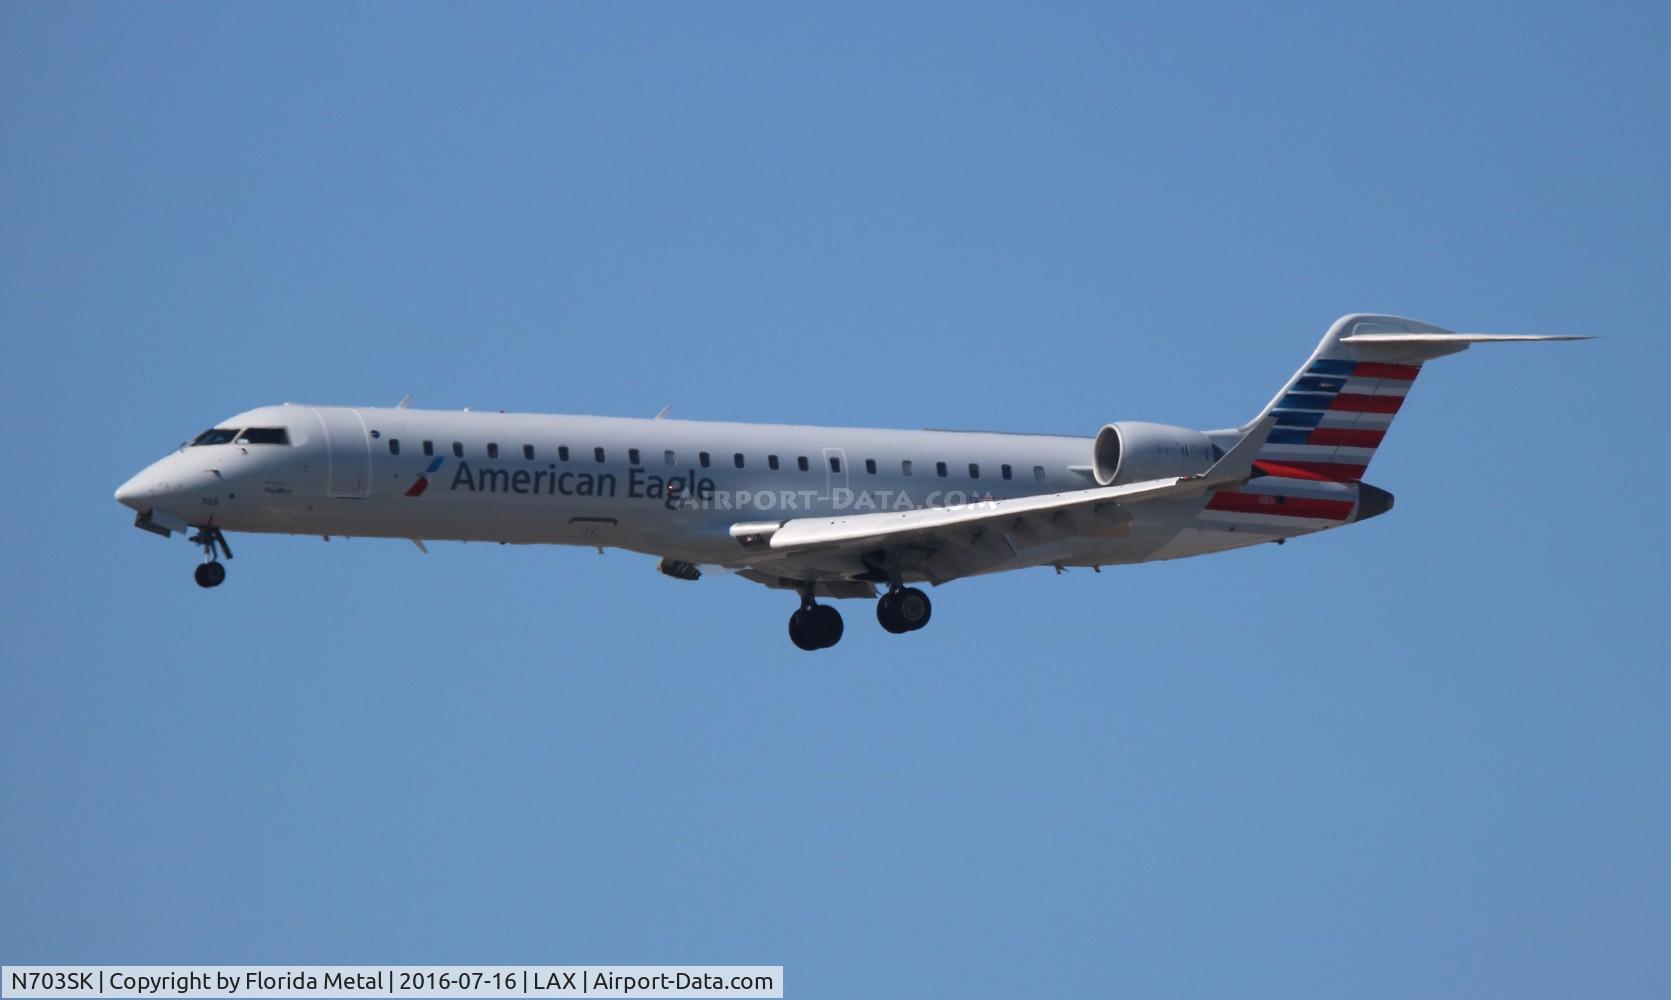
(422, 483)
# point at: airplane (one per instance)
(826, 512)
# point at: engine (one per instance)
(1131, 452)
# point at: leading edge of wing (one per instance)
(1235, 466)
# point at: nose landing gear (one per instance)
(210, 573)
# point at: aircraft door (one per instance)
(348, 452)
(835, 472)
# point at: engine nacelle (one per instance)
(1131, 452)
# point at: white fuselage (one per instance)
(672, 488)
(826, 512)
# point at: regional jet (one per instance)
(824, 512)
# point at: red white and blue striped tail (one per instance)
(1335, 412)
(1331, 417)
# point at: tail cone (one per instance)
(1373, 501)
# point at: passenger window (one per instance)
(458, 449)
(801, 463)
(905, 466)
(671, 458)
(528, 452)
(1038, 473)
(429, 448)
(835, 463)
(771, 462)
(703, 458)
(1006, 472)
(264, 435)
(492, 450)
(738, 459)
(597, 453)
(394, 446)
(632, 456)
(562, 453)
(974, 471)
(940, 469)
(870, 466)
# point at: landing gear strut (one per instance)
(210, 573)
(815, 626)
(904, 609)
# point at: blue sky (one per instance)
(1426, 755)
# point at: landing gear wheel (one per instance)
(887, 613)
(800, 631)
(210, 574)
(816, 626)
(911, 609)
(828, 625)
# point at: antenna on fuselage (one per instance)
(405, 401)
(662, 413)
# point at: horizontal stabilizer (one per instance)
(1402, 339)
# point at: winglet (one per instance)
(1236, 465)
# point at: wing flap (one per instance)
(816, 531)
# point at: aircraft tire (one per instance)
(827, 624)
(209, 574)
(887, 614)
(913, 608)
(801, 631)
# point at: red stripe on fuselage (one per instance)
(1265, 503)
(418, 487)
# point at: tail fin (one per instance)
(1335, 411)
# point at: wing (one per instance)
(844, 548)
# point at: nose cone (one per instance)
(136, 492)
(170, 483)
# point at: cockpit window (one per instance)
(249, 435)
(263, 435)
(215, 435)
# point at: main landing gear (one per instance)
(210, 573)
(819, 626)
(904, 609)
(815, 626)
